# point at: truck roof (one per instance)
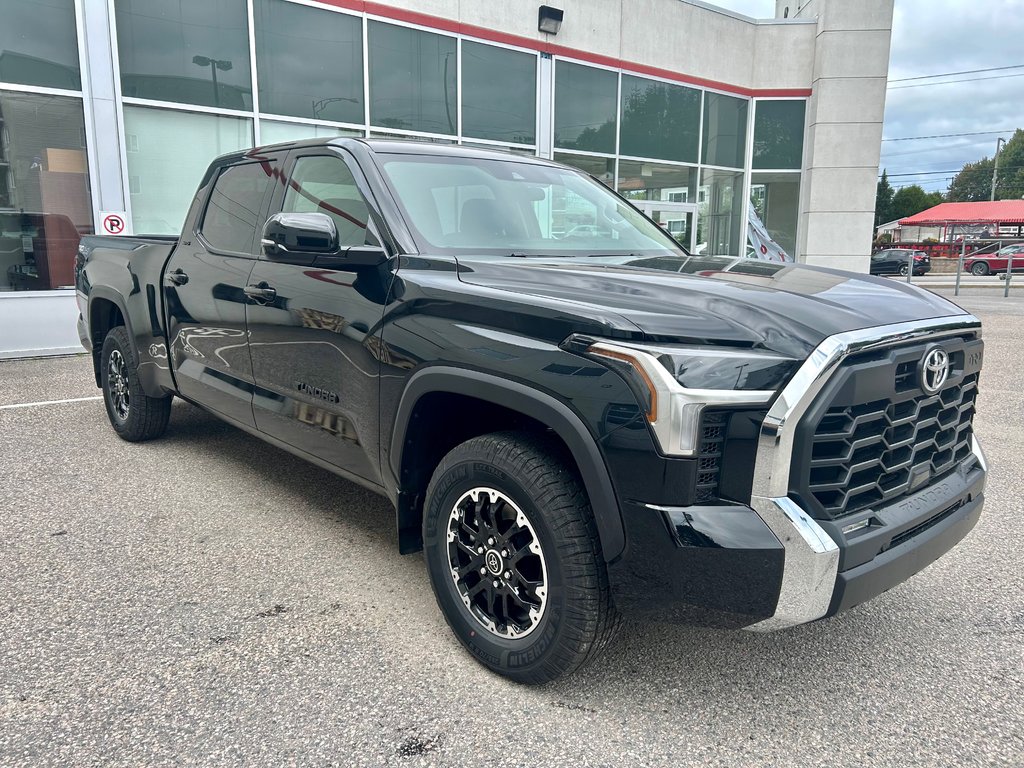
(387, 146)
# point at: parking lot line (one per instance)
(50, 402)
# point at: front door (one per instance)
(678, 219)
(204, 283)
(314, 343)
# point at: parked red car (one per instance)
(995, 263)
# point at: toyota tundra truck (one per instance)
(575, 419)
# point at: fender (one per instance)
(537, 405)
(154, 375)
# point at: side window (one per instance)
(324, 184)
(230, 219)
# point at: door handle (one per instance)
(261, 292)
(177, 277)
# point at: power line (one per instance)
(950, 74)
(953, 82)
(949, 135)
(936, 148)
(954, 171)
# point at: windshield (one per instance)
(509, 208)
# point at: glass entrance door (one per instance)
(678, 219)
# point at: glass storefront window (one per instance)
(514, 150)
(403, 137)
(45, 202)
(779, 134)
(309, 61)
(168, 152)
(652, 181)
(725, 130)
(412, 79)
(659, 120)
(39, 43)
(585, 107)
(601, 168)
(499, 94)
(776, 200)
(192, 52)
(276, 131)
(720, 213)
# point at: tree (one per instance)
(974, 182)
(883, 200)
(913, 199)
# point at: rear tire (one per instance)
(514, 558)
(904, 269)
(133, 414)
(980, 268)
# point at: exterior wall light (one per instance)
(549, 20)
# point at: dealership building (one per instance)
(110, 111)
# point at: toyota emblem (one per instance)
(934, 370)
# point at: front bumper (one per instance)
(724, 566)
(771, 565)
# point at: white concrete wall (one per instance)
(842, 144)
(690, 37)
(38, 323)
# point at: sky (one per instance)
(930, 37)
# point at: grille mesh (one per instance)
(709, 459)
(867, 454)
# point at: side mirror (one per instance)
(299, 237)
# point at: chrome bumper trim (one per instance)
(979, 454)
(812, 557)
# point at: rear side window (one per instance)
(232, 213)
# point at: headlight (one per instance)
(675, 383)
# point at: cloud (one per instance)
(931, 37)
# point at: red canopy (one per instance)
(998, 212)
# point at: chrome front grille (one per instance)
(876, 436)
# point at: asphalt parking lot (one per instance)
(208, 600)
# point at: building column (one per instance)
(844, 128)
(101, 89)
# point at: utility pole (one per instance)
(995, 167)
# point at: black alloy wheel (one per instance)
(514, 558)
(496, 562)
(979, 268)
(117, 381)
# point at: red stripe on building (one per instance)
(494, 36)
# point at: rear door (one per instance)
(315, 344)
(204, 289)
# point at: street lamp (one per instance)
(214, 64)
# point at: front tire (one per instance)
(514, 558)
(980, 269)
(133, 414)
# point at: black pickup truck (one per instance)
(574, 418)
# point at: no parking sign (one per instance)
(114, 222)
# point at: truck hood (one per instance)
(786, 308)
